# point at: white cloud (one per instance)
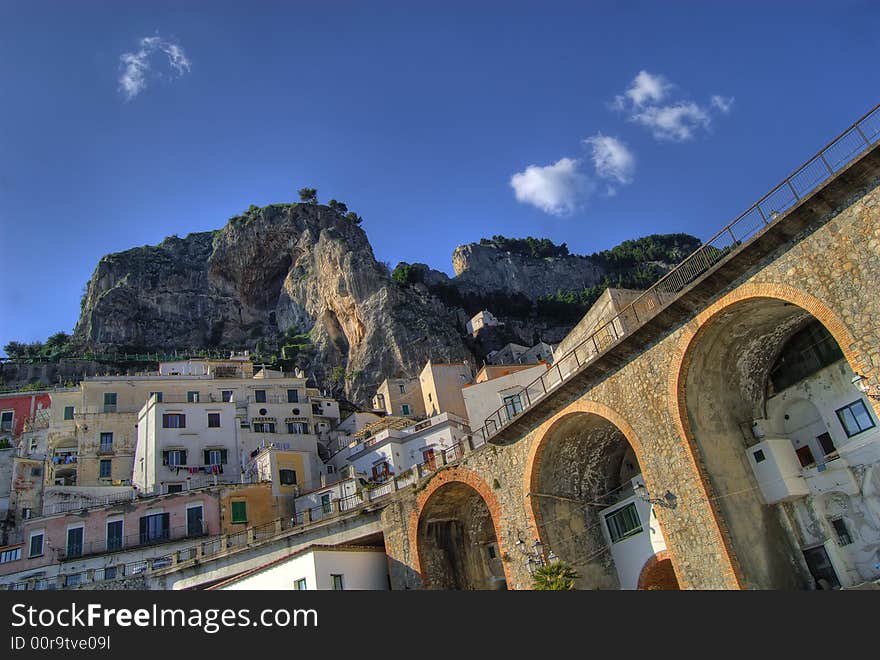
(676, 122)
(647, 102)
(138, 68)
(722, 103)
(612, 159)
(645, 87)
(557, 189)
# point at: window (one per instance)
(380, 401)
(213, 420)
(192, 397)
(855, 418)
(287, 477)
(109, 402)
(260, 396)
(292, 396)
(826, 443)
(73, 580)
(114, 535)
(843, 537)
(336, 581)
(380, 471)
(226, 396)
(264, 427)
(36, 548)
(402, 388)
(623, 523)
(491, 550)
(106, 464)
(805, 456)
(759, 456)
(239, 512)
(106, 442)
(68, 413)
(154, 527)
(404, 409)
(330, 469)
(174, 457)
(158, 396)
(25, 513)
(75, 542)
(10, 555)
(215, 456)
(36, 471)
(512, 405)
(195, 521)
(299, 585)
(326, 507)
(175, 488)
(109, 572)
(297, 427)
(6, 419)
(173, 421)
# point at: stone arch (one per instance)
(658, 573)
(786, 307)
(458, 482)
(606, 420)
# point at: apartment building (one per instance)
(400, 396)
(441, 387)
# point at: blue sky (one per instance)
(439, 123)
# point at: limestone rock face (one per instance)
(481, 268)
(300, 266)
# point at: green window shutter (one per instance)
(239, 512)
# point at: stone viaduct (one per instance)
(671, 399)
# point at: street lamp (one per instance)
(641, 491)
(535, 554)
(871, 391)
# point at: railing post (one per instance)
(251, 535)
(862, 134)
(278, 526)
(793, 191)
(224, 543)
(827, 165)
(307, 516)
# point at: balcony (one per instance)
(118, 544)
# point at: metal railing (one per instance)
(119, 544)
(836, 155)
(82, 504)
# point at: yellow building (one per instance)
(441, 387)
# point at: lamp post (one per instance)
(668, 499)
(871, 391)
(534, 555)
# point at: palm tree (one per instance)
(558, 576)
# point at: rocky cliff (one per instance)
(480, 267)
(297, 268)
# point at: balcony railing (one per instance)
(836, 155)
(118, 544)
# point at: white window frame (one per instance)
(11, 428)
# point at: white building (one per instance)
(318, 567)
(183, 445)
(632, 532)
(393, 451)
(481, 320)
(498, 387)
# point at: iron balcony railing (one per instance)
(837, 154)
(74, 550)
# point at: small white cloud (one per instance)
(722, 103)
(612, 159)
(136, 69)
(676, 122)
(645, 87)
(557, 189)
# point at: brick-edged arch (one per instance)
(539, 443)
(655, 573)
(441, 478)
(678, 372)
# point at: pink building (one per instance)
(105, 532)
